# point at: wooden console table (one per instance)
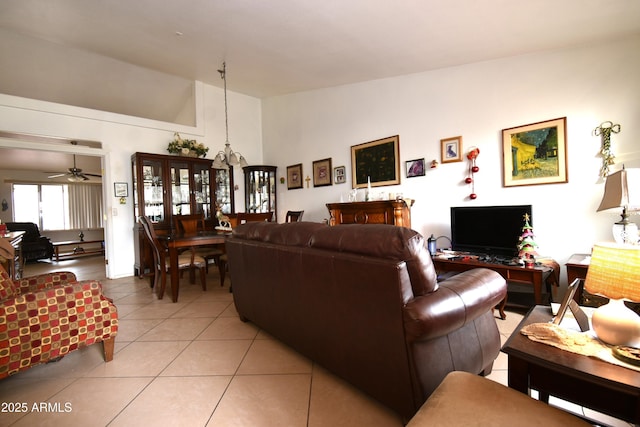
(536, 276)
(375, 212)
(78, 249)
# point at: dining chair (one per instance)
(186, 260)
(294, 216)
(193, 223)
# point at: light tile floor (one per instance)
(192, 363)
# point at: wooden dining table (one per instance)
(177, 241)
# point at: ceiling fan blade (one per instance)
(57, 175)
(93, 174)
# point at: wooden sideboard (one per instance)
(394, 212)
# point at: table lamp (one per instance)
(621, 191)
(614, 273)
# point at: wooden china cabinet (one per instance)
(260, 189)
(164, 186)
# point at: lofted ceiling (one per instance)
(141, 57)
(283, 46)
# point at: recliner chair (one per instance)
(34, 246)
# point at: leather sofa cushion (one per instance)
(375, 240)
(289, 234)
(383, 241)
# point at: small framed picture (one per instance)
(569, 303)
(451, 149)
(415, 168)
(294, 176)
(340, 175)
(322, 172)
(121, 189)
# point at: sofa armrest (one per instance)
(44, 281)
(458, 300)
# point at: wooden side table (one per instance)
(585, 381)
(577, 267)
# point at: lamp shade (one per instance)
(621, 190)
(614, 272)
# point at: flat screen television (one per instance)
(488, 230)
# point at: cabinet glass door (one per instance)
(180, 189)
(202, 189)
(224, 190)
(260, 189)
(153, 191)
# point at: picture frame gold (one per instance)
(535, 154)
(451, 149)
(322, 173)
(376, 163)
(294, 176)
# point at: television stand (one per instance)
(546, 273)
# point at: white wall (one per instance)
(588, 85)
(121, 136)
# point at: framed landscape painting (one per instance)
(376, 162)
(535, 154)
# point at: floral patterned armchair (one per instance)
(45, 317)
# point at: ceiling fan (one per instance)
(75, 174)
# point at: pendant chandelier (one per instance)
(228, 157)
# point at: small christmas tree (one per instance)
(526, 245)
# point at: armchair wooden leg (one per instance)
(109, 345)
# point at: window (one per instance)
(58, 206)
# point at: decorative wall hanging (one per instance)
(472, 155)
(415, 168)
(451, 149)
(535, 154)
(294, 176)
(605, 129)
(322, 172)
(376, 162)
(340, 175)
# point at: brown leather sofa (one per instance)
(363, 301)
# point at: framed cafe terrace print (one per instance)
(535, 153)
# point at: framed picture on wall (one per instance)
(120, 189)
(294, 176)
(451, 149)
(535, 153)
(340, 175)
(376, 162)
(415, 168)
(322, 172)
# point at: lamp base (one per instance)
(616, 324)
(625, 233)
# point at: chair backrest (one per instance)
(156, 245)
(294, 216)
(188, 223)
(243, 217)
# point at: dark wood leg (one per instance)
(108, 346)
